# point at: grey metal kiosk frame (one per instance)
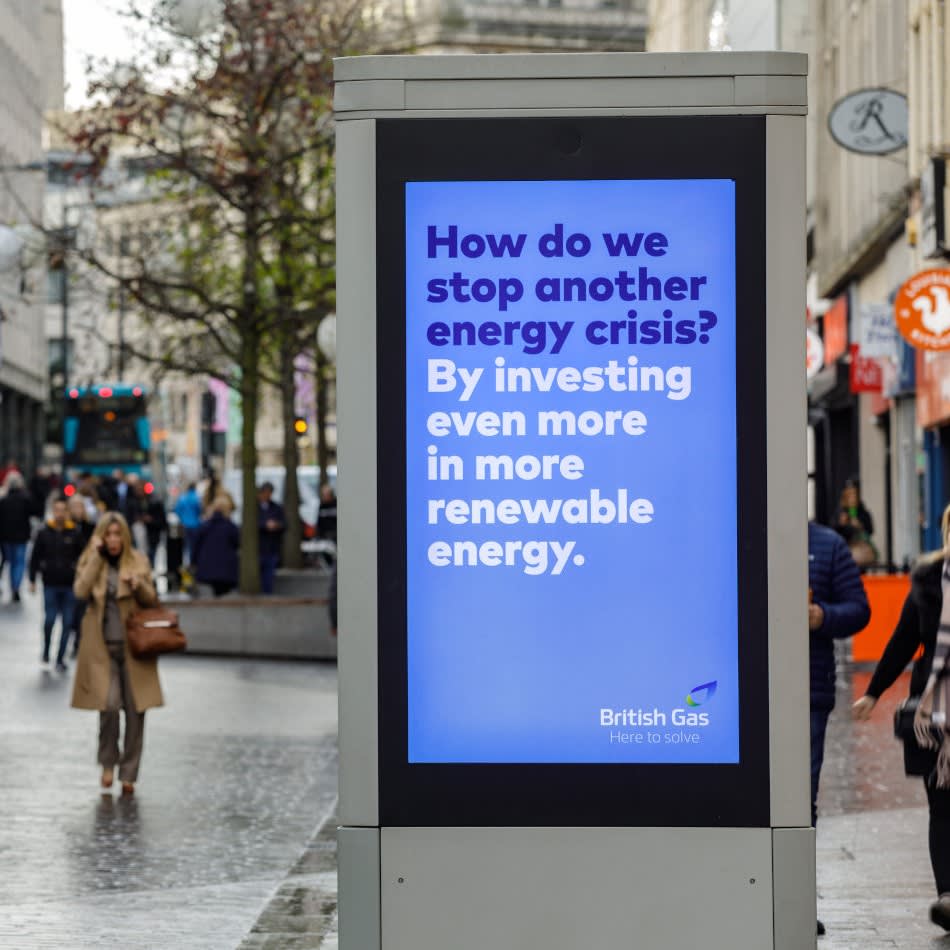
(563, 888)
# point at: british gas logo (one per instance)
(699, 695)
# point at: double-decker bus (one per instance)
(105, 428)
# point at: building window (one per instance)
(55, 282)
(66, 172)
(54, 350)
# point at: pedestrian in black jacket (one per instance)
(270, 529)
(156, 524)
(41, 485)
(55, 556)
(15, 530)
(77, 513)
(918, 626)
(216, 550)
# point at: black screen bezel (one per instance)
(502, 149)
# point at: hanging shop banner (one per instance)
(878, 336)
(814, 353)
(569, 377)
(922, 310)
(835, 330)
(933, 388)
(865, 375)
(933, 227)
(870, 121)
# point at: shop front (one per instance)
(832, 415)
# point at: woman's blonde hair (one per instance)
(222, 503)
(127, 557)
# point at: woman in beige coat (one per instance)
(114, 578)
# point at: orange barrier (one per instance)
(886, 594)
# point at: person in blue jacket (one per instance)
(837, 608)
(188, 509)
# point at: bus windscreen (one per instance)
(107, 431)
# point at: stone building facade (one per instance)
(25, 39)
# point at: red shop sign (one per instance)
(865, 375)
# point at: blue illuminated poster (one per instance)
(571, 472)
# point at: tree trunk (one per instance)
(323, 452)
(292, 555)
(250, 581)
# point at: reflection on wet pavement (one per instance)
(864, 763)
(239, 770)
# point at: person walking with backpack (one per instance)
(15, 530)
(55, 555)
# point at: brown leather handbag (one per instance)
(153, 631)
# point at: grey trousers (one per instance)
(120, 697)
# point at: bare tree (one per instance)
(232, 266)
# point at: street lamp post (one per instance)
(64, 324)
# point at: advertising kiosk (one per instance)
(571, 414)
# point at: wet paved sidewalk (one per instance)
(302, 915)
(874, 879)
(239, 770)
(229, 841)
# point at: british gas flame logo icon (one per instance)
(699, 695)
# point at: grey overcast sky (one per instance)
(92, 27)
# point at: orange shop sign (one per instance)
(835, 329)
(922, 310)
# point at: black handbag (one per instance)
(917, 760)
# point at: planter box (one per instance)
(267, 626)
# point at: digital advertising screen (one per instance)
(571, 473)
(572, 591)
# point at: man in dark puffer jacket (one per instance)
(837, 608)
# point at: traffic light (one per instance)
(301, 426)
